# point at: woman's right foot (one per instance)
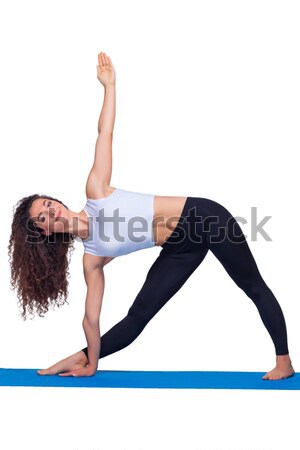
(283, 369)
(75, 361)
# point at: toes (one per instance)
(274, 376)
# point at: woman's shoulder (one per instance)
(98, 192)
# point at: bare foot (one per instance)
(75, 361)
(283, 369)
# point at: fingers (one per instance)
(45, 372)
(104, 60)
(72, 373)
(69, 373)
(66, 374)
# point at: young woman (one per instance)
(186, 228)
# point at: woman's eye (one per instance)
(43, 218)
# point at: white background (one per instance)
(207, 106)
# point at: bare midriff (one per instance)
(167, 212)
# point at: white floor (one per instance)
(142, 419)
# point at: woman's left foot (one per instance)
(283, 369)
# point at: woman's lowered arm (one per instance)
(95, 288)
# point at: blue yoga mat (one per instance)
(150, 379)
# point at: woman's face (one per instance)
(47, 214)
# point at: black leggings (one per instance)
(204, 225)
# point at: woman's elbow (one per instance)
(90, 322)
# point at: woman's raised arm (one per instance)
(100, 174)
(107, 76)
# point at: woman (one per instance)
(44, 228)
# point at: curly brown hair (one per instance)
(39, 264)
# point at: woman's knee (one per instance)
(255, 289)
(140, 315)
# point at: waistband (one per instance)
(187, 230)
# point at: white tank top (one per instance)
(120, 223)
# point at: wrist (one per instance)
(92, 368)
(110, 86)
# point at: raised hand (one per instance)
(105, 70)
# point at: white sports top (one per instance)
(120, 223)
